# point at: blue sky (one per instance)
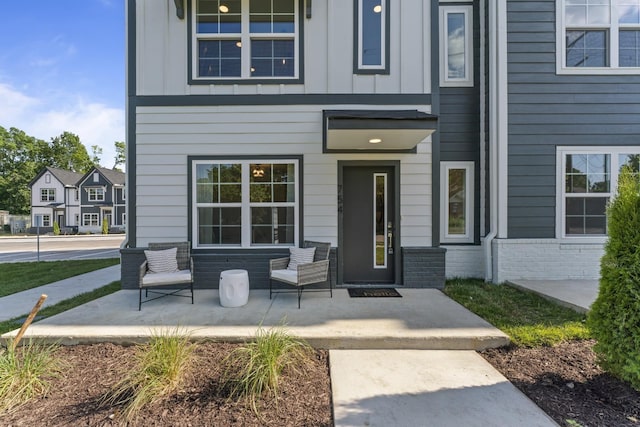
(62, 69)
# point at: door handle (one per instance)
(390, 238)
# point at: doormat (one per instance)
(373, 292)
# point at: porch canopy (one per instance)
(375, 130)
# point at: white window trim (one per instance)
(95, 197)
(90, 217)
(383, 38)
(561, 155)
(41, 219)
(468, 236)
(467, 81)
(76, 218)
(612, 30)
(47, 178)
(245, 204)
(245, 38)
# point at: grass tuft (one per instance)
(528, 319)
(25, 372)
(160, 367)
(255, 368)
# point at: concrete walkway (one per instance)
(21, 303)
(394, 361)
(575, 294)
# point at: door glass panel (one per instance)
(380, 220)
(457, 201)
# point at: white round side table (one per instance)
(234, 288)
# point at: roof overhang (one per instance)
(376, 130)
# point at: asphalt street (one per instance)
(55, 248)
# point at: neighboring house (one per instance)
(102, 198)
(54, 198)
(423, 139)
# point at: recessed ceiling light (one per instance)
(239, 44)
(377, 8)
(375, 141)
(223, 8)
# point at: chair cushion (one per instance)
(156, 279)
(164, 261)
(288, 276)
(300, 256)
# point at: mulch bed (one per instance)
(568, 385)
(303, 399)
(563, 380)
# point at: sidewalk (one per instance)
(21, 303)
(394, 361)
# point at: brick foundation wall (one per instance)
(423, 267)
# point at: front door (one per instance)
(368, 224)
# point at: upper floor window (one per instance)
(96, 194)
(372, 36)
(599, 36)
(456, 46)
(588, 180)
(243, 39)
(47, 194)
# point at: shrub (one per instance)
(614, 318)
(25, 372)
(259, 363)
(56, 228)
(105, 227)
(160, 368)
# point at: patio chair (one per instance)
(167, 265)
(303, 267)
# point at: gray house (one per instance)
(422, 139)
(102, 198)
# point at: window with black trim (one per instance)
(244, 39)
(372, 36)
(245, 203)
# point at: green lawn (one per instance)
(20, 276)
(528, 319)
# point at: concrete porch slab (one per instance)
(422, 319)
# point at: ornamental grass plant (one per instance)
(160, 367)
(256, 368)
(26, 372)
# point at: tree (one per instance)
(67, 152)
(96, 152)
(21, 157)
(121, 157)
(614, 318)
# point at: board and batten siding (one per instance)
(167, 135)
(548, 110)
(162, 53)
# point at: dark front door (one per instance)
(368, 225)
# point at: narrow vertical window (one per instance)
(457, 202)
(380, 220)
(456, 46)
(372, 36)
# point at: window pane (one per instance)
(586, 215)
(631, 160)
(261, 193)
(272, 58)
(628, 11)
(371, 32)
(456, 67)
(586, 48)
(587, 173)
(268, 222)
(264, 19)
(230, 193)
(207, 193)
(230, 173)
(207, 173)
(219, 58)
(629, 49)
(457, 201)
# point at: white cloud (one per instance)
(95, 123)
